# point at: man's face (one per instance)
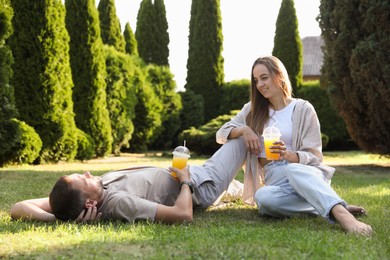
(92, 185)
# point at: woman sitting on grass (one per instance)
(297, 181)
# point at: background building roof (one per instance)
(312, 56)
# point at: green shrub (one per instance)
(234, 95)
(121, 98)
(85, 146)
(325, 140)
(163, 84)
(42, 77)
(148, 111)
(87, 60)
(332, 124)
(19, 143)
(192, 114)
(202, 140)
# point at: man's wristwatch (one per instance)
(190, 185)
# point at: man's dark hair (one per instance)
(65, 201)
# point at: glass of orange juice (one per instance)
(271, 135)
(181, 154)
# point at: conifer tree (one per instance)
(121, 98)
(7, 105)
(161, 54)
(131, 46)
(152, 32)
(148, 112)
(42, 76)
(356, 68)
(163, 84)
(205, 72)
(88, 66)
(110, 26)
(288, 44)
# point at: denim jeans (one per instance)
(293, 188)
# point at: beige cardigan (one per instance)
(306, 141)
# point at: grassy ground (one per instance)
(234, 231)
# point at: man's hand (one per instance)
(89, 215)
(182, 174)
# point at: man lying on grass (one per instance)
(140, 193)
(149, 193)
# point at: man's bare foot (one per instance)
(356, 210)
(349, 223)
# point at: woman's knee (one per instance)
(263, 196)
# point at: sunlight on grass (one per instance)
(49, 238)
(355, 157)
(108, 163)
(373, 191)
(230, 231)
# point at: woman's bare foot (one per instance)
(356, 210)
(349, 223)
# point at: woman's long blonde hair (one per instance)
(259, 114)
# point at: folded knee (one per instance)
(263, 197)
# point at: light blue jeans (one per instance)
(293, 188)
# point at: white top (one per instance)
(281, 119)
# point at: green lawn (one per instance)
(234, 231)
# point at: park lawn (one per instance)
(232, 231)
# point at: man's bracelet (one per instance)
(190, 185)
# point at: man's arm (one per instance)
(38, 209)
(182, 210)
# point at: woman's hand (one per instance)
(252, 141)
(280, 148)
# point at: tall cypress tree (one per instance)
(163, 84)
(131, 46)
(161, 34)
(7, 106)
(205, 72)
(288, 44)
(356, 68)
(121, 97)
(88, 66)
(152, 32)
(110, 26)
(42, 75)
(148, 112)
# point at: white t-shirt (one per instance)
(282, 120)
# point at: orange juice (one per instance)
(180, 158)
(268, 154)
(179, 162)
(271, 135)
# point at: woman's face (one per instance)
(264, 83)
